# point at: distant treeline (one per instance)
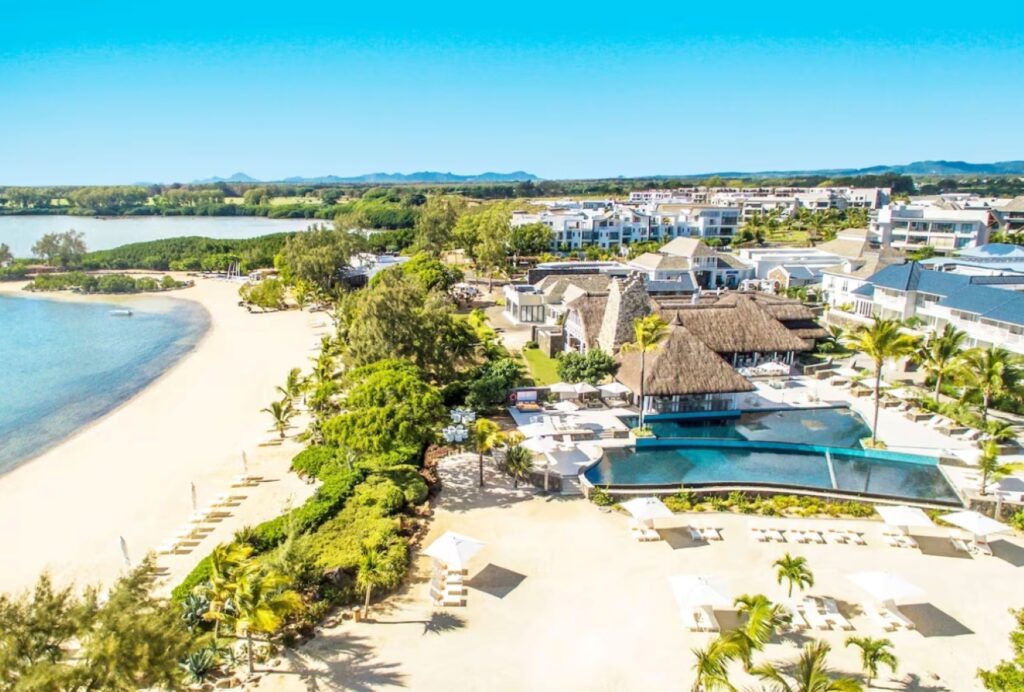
(374, 206)
(102, 283)
(190, 253)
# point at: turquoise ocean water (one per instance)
(63, 364)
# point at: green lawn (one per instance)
(542, 368)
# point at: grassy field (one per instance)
(542, 368)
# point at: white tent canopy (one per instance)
(903, 516)
(647, 509)
(584, 388)
(538, 429)
(614, 388)
(694, 590)
(885, 586)
(976, 523)
(454, 549)
(563, 388)
(539, 445)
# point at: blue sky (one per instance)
(96, 93)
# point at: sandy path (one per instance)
(128, 474)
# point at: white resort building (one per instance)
(911, 227)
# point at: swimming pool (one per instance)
(784, 466)
(834, 427)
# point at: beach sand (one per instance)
(128, 474)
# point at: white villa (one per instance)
(909, 227)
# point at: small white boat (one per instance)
(120, 313)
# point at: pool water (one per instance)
(833, 427)
(706, 465)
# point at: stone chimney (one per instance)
(627, 301)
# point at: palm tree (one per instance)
(293, 385)
(991, 372)
(711, 669)
(874, 653)
(374, 570)
(940, 355)
(794, 570)
(988, 463)
(225, 561)
(648, 333)
(261, 602)
(281, 412)
(763, 620)
(518, 463)
(810, 674)
(881, 341)
(486, 436)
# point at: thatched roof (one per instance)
(779, 307)
(554, 286)
(735, 324)
(682, 364)
(590, 309)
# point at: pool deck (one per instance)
(565, 592)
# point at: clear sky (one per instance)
(100, 93)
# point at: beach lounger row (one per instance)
(888, 616)
(765, 534)
(845, 537)
(973, 547)
(643, 533)
(894, 539)
(699, 619)
(816, 613)
(704, 534)
(448, 588)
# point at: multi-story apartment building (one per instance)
(753, 199)
(621, 224)
(986, 308)
(1010, 215)
(910, 227)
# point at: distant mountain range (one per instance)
(915, 168)
(419, 177)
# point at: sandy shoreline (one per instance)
(129, 472)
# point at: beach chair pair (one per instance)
(845, 537)
(699, 619)
(643, 533)
(887, 616)
(764, 534)
(898, 540)
(704, 534)
(806, 536)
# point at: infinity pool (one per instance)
(833, 427)
(698, 465)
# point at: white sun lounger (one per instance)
(759, 534)
(893, 613)
(959, 544)
(709, 533)
(775, 535)
(838, 536)
(796, 619)
(695, 534)
(832, 614)
(813, 616)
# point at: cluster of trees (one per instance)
(268, 294)
(190, 253)
(761, 620)
(101, 283)
(592, 367)
(60, 249)
(816, 225)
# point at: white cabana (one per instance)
(563, 388)
(647, 509)
(453, 549)
(696, 590)
(614, 389)
(903, 516)
(584, 388)
(539, 445)
(544, 427)
(975, 523)
(569, 461)
(885, 586)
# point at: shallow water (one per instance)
(63, 364)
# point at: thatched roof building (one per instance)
(681, 365)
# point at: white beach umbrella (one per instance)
(614, 388)
(539, 445)
(566, 406)
(584, 388)
(902, 516)
(975, 523)
(696, 589)
(454, 549)
(885, 586)
(563, 388)
(647, 509)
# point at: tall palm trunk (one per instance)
(878, 386)
(938, 389)
(366, 601)
(984, 408)
(481, 469)
(642, 367)
(248, 646)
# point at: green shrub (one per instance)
(601, 498)
(530, 345)
(1017, 520)
(381, 493)
(409, 480)
(311, 460)
(199, 574)
(338, 544)
(680, 502)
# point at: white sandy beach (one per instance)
(129, 473)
